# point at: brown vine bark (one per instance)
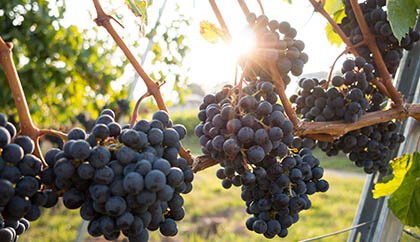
(221, 20)
(377, 57)
(339, 128)
(279, 88)
(104, 20)
(25, 120)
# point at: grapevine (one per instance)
(129, 179)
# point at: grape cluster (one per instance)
(246, 127)
(275, 192)
(250, 137)
(20, 186)
(123, 179)
(376, 18)
(351, 96)
(275, 42)
(368, 147)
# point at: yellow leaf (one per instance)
(400, 166)
(210, 32)
(331, 6)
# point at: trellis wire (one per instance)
(412, 234)
(338, 232)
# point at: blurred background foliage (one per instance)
(69, 74)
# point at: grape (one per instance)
(99, 157)
(100, 131)
(80, 149)
(162, 165)
(12, 153)
(155, 180)
(104, 175)
(76, 133)
(255, 154)
(64, 168)
(134, 183)
(4, 137)
(26, 143)
(30, 165)
(73, 198)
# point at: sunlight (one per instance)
(243, 43)
(219, 62)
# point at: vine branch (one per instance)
(377, 57)
(103, 20)
(339, 128)
(244, 7)
(221, 20)
(26, 124)
(319, 7)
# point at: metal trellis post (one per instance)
(387, 227)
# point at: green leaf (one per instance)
(332, 36)
(332, 6)
(400, 167)
(138, 7)
(402, 15)
(405, 201)
(210, 32)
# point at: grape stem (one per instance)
(335, 61)
(339, 128)
(103, 20)
(52, 132)
(261, 6)
(319, 7)
(136, 109)
(222, 23)
(27, 126)
(327, 84)
(279, 88)
(377, 57)
(244, 7)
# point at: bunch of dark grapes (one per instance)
(275, 42)
(20, 186)
(276, 192)
(368, 147)
(123, 179)
(244, 127)
(351, 96)
(247, 133)
(376, 18)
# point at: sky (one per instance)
(211, 65)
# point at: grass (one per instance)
(215, 214)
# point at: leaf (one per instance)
(210, 32)
(405, 201)
(138, 7)
(402, 15)
(400, 166)
(332, 6)
(332, 36)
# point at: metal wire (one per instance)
(338, 232)
(412, 234)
